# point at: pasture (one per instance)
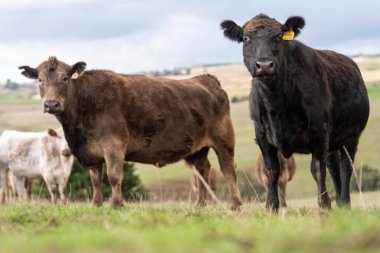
(173, 225)
(176, 227)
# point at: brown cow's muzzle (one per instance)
(52, 106)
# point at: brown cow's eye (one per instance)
(39, 79)
(245, 38)
(65, 78)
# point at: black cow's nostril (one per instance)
(264, 67)
(257, 65)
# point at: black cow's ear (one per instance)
(294, 23)
(77, 70)
(29, 72)
(232, 30)
(52, 133)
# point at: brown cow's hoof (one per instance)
(64, 201)
(236, 204)
(199, 202)
(97, 201)
(117, 204)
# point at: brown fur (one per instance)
(110, 117)
(287, 171)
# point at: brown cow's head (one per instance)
(55, 78)
(263, 40)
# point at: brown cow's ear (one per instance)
(52, 133)
(29, 72)
(77, 70)
(232, 30)
(295, 24)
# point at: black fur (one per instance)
(296, 23)
(314, 102)
(29, 72)
(232, 30)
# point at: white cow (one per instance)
(30, 155)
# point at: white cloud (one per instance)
(358, 46)
(26, 4)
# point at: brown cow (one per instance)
(287, 171)
(109, 117)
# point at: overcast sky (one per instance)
(142, 35)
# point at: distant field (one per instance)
(17, 111)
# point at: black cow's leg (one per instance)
(272, 171)
(346, 171)
(318, 169)
(96, 173)
(333, 161)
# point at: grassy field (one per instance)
(158, 226)
(177, 227)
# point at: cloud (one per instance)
(131, 36)
(184, 39)
(27, 4)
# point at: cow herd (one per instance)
(302, 100)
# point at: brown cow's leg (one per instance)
(201, 163)
(282, 193)
(227, 165)
(96, 174)
(115, 167)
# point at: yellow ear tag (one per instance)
(75, 75)
(289, 35)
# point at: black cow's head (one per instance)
(55, 78)
(263, 40)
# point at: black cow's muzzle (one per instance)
(264, 68)
(52, 106)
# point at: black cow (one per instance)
(303, 100)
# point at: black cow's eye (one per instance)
(245, 38)
(279, 37)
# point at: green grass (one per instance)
(21, 96)
(177, 227)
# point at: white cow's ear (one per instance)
(52, 133)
